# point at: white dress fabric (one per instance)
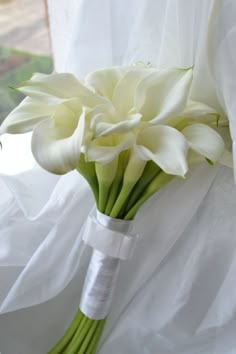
(177, 295)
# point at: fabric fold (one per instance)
(56, 260)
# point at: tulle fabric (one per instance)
(177, 294)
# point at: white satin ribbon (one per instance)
(99, 285)
(111, 243)
(109, 236)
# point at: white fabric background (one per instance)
(178, 293)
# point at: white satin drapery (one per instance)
(182, 297)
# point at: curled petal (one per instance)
(25, 116)
(66, 117)
(103, 113)
(57, 150)
(105, 121)
(105, 128)
(105, 149)
(166, 147)
(58, 87)
(163, 94)
(195, 109)
(205, 141)
(124, 92)
(104, 81)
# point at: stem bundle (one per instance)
(119, 197)
(81, 337)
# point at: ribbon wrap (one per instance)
(111, 243)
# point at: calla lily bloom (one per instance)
(164, 145)
(138, 108)
(139, 94)
(55, 111)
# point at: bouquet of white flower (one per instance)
(129, 131)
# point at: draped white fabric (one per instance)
(178, 292)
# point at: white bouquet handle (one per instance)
(110, 243)
(99, 285)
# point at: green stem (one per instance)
(114, 191)
(88, 338)
(63, 342)
(87, 170)
(124, 194)
(103, 195)
(78, 337)
(94, 343)
(105, 176)
(150, 172)
(117, 183)
(132, 174)
(161, 180)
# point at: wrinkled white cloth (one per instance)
(178, 292)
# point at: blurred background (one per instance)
(24, 47)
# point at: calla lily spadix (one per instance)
(129, 131)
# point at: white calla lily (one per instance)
(104, 81)
(103, 127)
(105, 149)
(25, 116)
(105, 120)
(195, 109)
(163, 94)
(56, 145)
(125, 90)
(116, 109)
(195, 112)
(58, 87)
(165, 146)
(205, 141)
